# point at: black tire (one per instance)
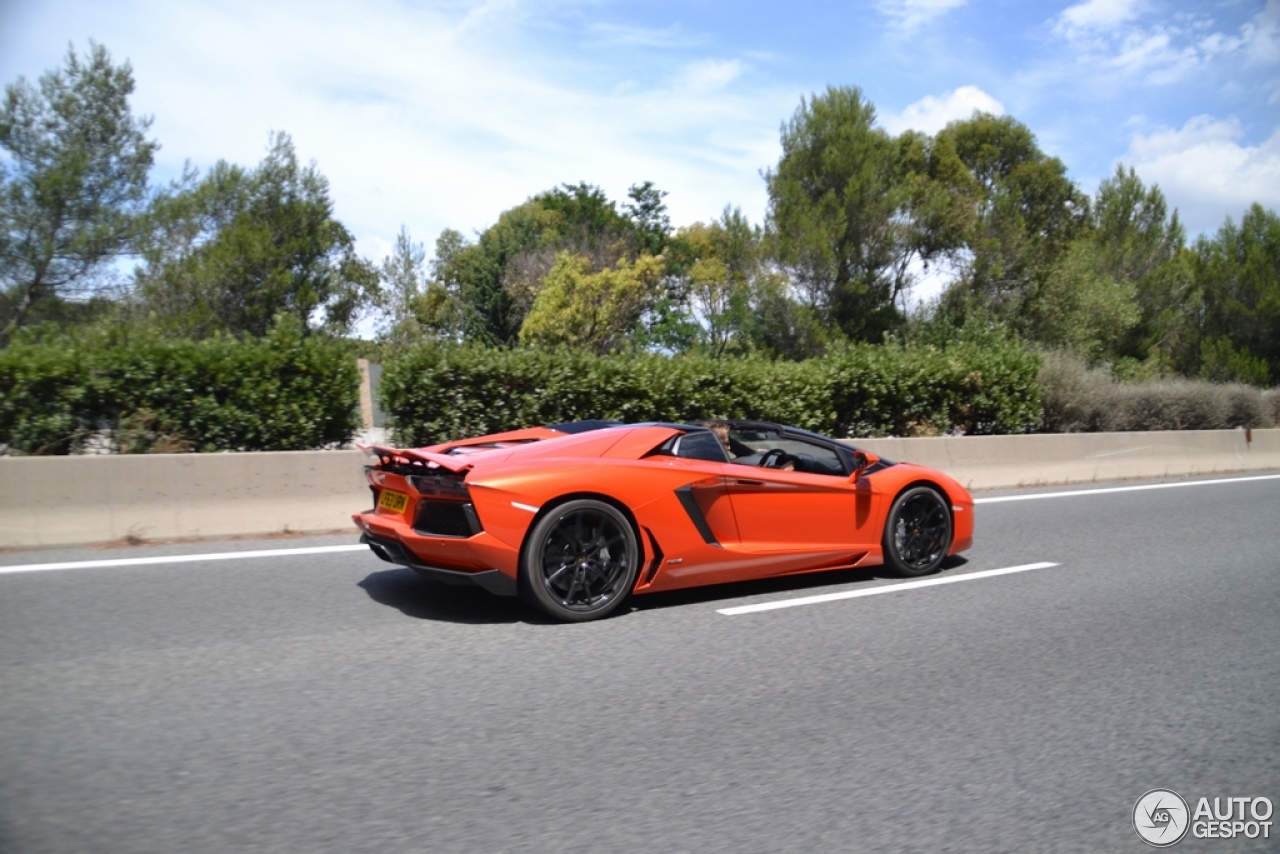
(917, 534)
(580, 561)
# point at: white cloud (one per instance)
(931, 114)
(433, 116)
(445, 114)
(1093, 15)
(1155, 55)
(377, 248)
(1261, 36)
(711, 74)
(910, 15)
(1206, 172)
(666, 37)
(1126, 36)
(486, 14)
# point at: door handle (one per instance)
(751, 483)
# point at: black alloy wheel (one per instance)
(918, 532)
(580, 561)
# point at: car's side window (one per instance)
(816, 459)
(800, 454)
(700, 445)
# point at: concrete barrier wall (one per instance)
(74, 500)
(46, 501)
(992, 462)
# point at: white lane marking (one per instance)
(999, 498)
(146, 561)
(876, 591)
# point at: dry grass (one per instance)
(1271, 405)
(1080, 399)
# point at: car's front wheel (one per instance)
(918, 532)
(580, 561)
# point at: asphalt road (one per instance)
(327, 702)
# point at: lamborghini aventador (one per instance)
(577, 517)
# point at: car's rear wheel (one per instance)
(918, 532)
(580, 561)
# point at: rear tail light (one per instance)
(439, 485)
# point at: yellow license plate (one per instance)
(396, 502)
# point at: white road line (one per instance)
(150, 561)
(999, 498)
(876, 591)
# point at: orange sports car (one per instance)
(577, 517)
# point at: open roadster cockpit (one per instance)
(759, 444)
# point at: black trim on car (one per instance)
(656, 562)
(493, 580)
(446, 519)
(585, 426)
(685, 494)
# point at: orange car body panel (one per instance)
(755, 523)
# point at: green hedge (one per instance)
(283, 392)
(434, 394)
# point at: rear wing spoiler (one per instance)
(387, 454)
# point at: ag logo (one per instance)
(1161, 817)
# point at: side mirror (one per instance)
(862, 460)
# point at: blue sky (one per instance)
(437, 115)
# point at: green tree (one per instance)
(782, 327)
(1116, 292)
(1024, 216)
(832, 200)
(1080, 304)
(855, 214)
(403, 274)
(1133, 226)
(416, 307)
(1140, 244)
(941, 206)
(648, 214)
(1238, 273)
(594, 310)
(74, 184)
(499, 277)
(718, 267)
(480, 270)
(232, 250)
